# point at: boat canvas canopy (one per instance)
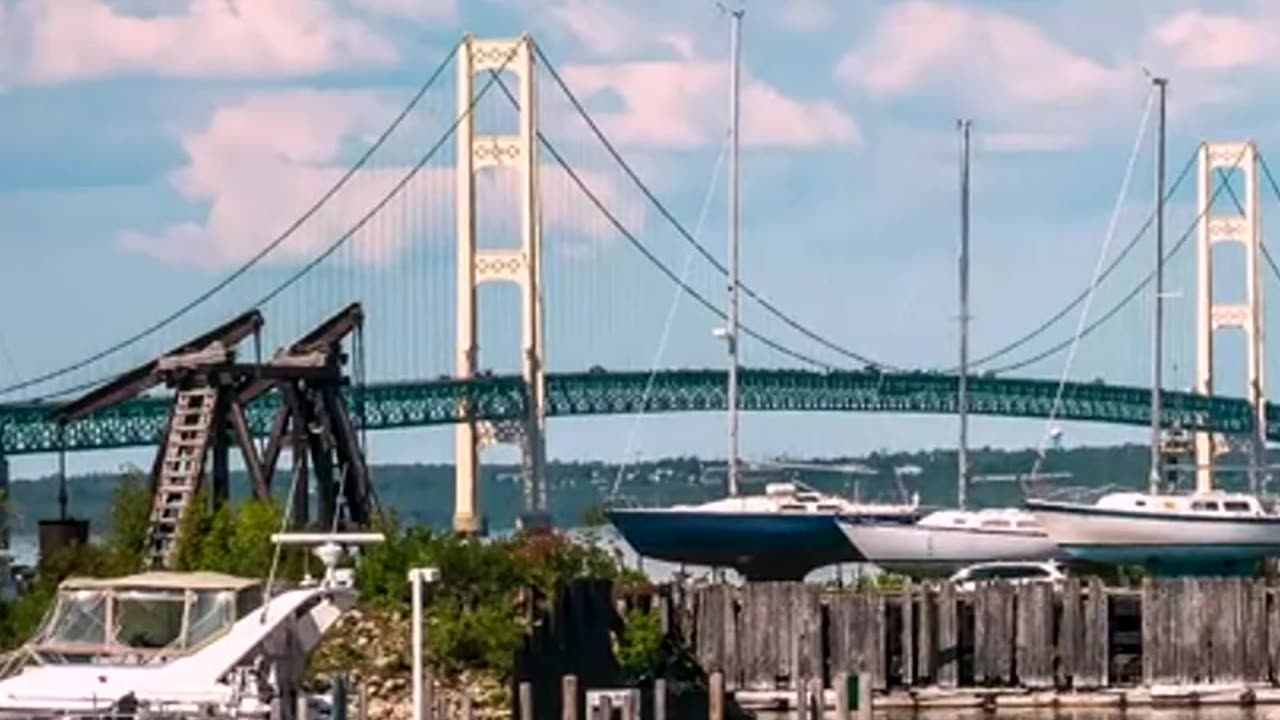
(141, 618)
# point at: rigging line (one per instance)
(1074, 303)
(8, 357)
(670, 321)
(1093, 285)
(684, 233)
(1266, 169)
(288, 232)
(395, 189)
(635, 242)
(648, 254)
(1049, 352)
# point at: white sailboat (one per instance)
(178, 645)
(1207, 532)
(946, 540)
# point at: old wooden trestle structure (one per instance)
(211, 390)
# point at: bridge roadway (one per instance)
(27, 428)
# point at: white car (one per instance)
(1017, 572)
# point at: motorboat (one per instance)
(946, 540)
(177, 645)
(781, 534)
(1214, 532)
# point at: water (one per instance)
(25, 548)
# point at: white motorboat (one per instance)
(177, 645)
(946, 540)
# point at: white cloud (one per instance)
(804, 15)
(683, 105)
(1199, 40)
(263, 161)
(1006, 68)
(49, 42)
(418, 10)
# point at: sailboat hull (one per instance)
(1166, 543)
(760, 546)
(922, 551)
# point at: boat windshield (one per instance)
(128, 620)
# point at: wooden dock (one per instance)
(1176, 640)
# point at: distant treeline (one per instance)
(423, 494)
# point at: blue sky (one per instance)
(149, 147)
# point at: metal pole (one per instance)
(1157, 318)
(415, 580)
(962, 390)
(735, 50)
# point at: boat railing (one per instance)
(1083, 494)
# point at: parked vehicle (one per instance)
(1019, 572)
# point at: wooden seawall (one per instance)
(1083, 637)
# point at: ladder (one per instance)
(181, 471)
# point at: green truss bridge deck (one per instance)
(27, 428)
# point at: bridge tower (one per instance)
(522, 266)
(1212, 315)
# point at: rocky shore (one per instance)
(372, 647)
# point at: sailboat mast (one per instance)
(1157, 316)
(734, 114)
(962, 390)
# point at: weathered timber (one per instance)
(1256, 638)
(948, 649)
(858, 639)
(926, 632)
(777, 637)
(993, 634)
(907, 641)
(1093, 661)
(1034, 636)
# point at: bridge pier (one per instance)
(1214, 228)
(521, 265)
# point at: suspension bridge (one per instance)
(566, 244)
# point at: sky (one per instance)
(149, 147)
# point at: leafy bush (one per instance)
(640, 649)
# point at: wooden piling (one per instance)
(660, 699)
(526, 700)
(715, 697)
(569, 697)
(604, 711)
(864, 698)
(841, 682)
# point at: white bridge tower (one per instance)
(1212, 315)
(522, 266)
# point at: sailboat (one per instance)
(946, 540)
(1206, 532)
(781, 534)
